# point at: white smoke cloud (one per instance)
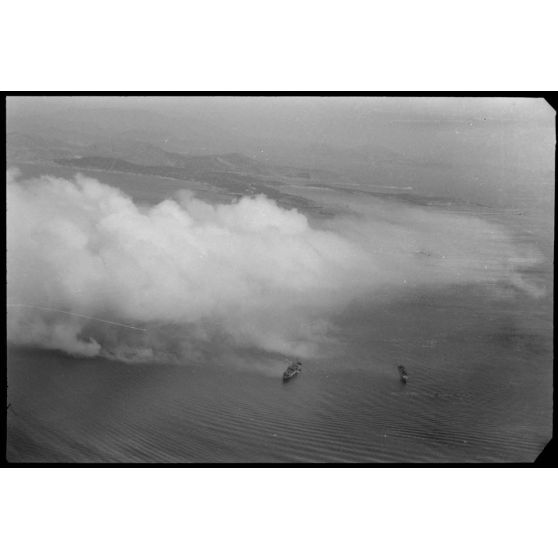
(202, 279)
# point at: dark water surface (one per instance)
(480, 390)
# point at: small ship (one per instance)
(293, 369)
(402, 374)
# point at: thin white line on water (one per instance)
(76, 314)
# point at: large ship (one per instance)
(293, 369)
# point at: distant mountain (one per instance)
(84, 125)
(226, 171)
(26, 147)
(132, 151)
(143, 157)
(236, 162)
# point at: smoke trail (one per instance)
(203, 280)
(9, 305)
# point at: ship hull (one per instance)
(289, 376)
